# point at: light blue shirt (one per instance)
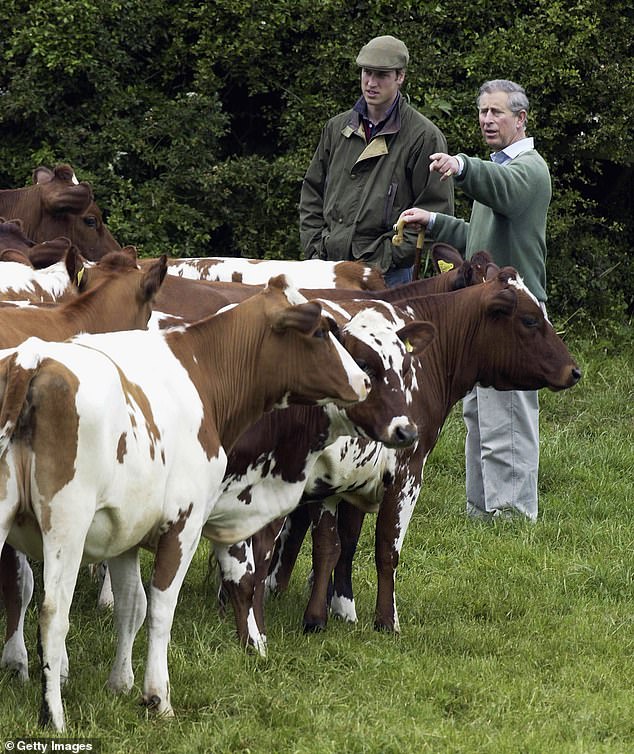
(508, 153)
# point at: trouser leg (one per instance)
(502, 450)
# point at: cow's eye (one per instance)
(365, 367)
(90, 221)
(320, 333)
(530, 321)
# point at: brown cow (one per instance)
(494, 334)
(57, 204)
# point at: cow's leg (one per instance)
(287, 548)
(326, 550)
(237, 569)
(392, 523)
(16, 587)
(263, 546)
(105, 599)
(62, 558)
(349, 524)
(175, 550)
(130, 604)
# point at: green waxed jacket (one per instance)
(508, 217)
(354, 191)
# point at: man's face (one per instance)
(500, 127)
(379, 88)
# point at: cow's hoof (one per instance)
(314, 627)
(151, 702)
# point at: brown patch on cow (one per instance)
(238, 552)
(236, 277)
(135, 397)
(245, 496)
(122, 448)
(49, 422)
(169, 552)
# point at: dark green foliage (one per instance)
(195, 121)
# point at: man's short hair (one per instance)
(517, 96)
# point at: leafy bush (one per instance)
(195, 122)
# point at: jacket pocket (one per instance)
(388, 205)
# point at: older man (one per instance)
(511, 194)
(371, 163)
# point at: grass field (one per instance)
(514, 637)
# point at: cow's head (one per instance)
(68, 209)
(303, 352)
(525, 352)
(125, 292)
(384, 346)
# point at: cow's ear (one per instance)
(303, 317)
(74, 266)
(153, 278)
(502, 303)
(17, 221)
(131, 251)
(417, 336)
(491, 271)
(43, 174)
(14, 255)
(445, 257)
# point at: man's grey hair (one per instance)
(517, 96)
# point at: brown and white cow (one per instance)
(184, 299)
(312, 273)
(123, 439)
(494, 334)
(268, 467)
(113, 295)
(57, 204)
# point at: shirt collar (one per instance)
(517, 147)
(361, 107)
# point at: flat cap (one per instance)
(383, 53)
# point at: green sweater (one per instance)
(508, 217)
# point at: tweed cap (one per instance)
(383, 53)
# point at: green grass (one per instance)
(514, 637)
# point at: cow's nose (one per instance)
(576, 374)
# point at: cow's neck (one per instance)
(450, 365)
(218, 355)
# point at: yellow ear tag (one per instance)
(445, 266)
(408, 346)
(80, 275)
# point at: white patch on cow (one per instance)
(310, 273)
(74, 179)
(257, 639)
(53, 281)
(376, 326)
(335, 309)
(28, 357)
(344, 608)
(518, 283)
(156, 318)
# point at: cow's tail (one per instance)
(15, 380)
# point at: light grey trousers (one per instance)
(501, 451)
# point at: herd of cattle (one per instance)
(147, 403)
